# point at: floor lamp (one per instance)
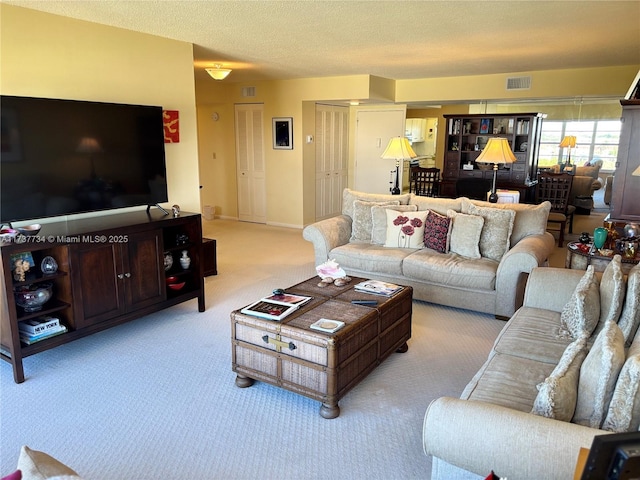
(398, 149)
(496, 151)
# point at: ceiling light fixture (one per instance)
(217, 72)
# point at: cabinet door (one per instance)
(97, 291)
(144, 275)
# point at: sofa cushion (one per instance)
(349, 196)
(598, 376)
(496, 231)
(624, 410)
(362, 219)
(370, 258)
(508, 381)
(436, 204)
(612, 291)
(581, 313)
(379, 221)
(558, 394)
(630, 314)
(450, 269)
(465, 234)
(36, 465)
(530, 219)
(533, 333)
(405, 229)
(436, 232)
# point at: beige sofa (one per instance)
(540, 363)
(492, 281)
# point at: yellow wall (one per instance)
(44, 55)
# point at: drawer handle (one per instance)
(279, 343)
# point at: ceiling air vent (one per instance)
(248, 91)
(518, 83)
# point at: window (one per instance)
(595, 139)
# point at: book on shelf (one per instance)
(377, 287)
(31, 339)
(276, 307)
(327, 325)
(36, 326)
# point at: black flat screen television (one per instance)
(62, 157)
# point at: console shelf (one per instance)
(110, 271)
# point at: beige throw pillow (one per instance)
(630, 315)
(558, 394)
(496, 231)
(465, 234)
(379, 221)
(405, 229)
(362, 221)
(581, 313)
(612, 291)
(598, 376)
(624, 409)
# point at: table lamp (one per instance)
(398, 149)
(496, 151)
(569, 142)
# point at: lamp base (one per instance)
(396, 190)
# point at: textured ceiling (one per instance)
(393, 39)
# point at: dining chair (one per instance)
(556, 188)
(425, 181)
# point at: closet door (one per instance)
(332, 148)
(250, 165)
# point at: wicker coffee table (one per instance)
(322, 366)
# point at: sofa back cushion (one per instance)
(436, 204)
(349, 196)
(529, 220)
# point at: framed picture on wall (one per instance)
(283, 133)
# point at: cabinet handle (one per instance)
(120, 276)
(128, 275)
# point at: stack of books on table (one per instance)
(377, 287)
(36, 329)
(276, 307)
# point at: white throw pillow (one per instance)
(496, 231)
(581, 313)
(465, 234)
(630, 315)
(362, 220)
(405, 229)
(612, 291)
(558, 394)
(379, 221)
(624, 409)
(598, 376)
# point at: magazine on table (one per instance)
(276, 306)
(377, 287)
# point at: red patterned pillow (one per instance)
(436, 231)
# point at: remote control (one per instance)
(364, 302)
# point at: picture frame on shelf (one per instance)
(282, 133)
(485, 125)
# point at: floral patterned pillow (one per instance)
(436, 232)
(405, 229)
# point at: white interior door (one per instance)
(250, 164)
(332, 151)
(374, 129)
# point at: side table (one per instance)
(579, 258)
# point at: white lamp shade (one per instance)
(218, 73)
(398, 148)
(568, 141)
(88, 145)
(496, 151)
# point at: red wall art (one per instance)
(171, 123)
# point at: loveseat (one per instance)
(565, 368)
(465, 253)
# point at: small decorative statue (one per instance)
(176, 210)
(185, 261)
(22, 267)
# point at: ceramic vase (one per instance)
(185, 261)
(600, 237)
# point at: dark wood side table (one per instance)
(579, 258)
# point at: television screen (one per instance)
(60, 157)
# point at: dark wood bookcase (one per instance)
(111, 270)
(466, 136)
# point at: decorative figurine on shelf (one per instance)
(168, 261)
(185, 261)
(48, 265)
(584, 238)
(182, 239)
(176, 210)
(21, 268)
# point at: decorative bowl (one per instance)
(171, 280)
(33, 297)
(176, 286)
(8, 234)
(29, 230)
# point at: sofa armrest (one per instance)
(328, 234)
(551, 288)
(530, 252)
(480, 437)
